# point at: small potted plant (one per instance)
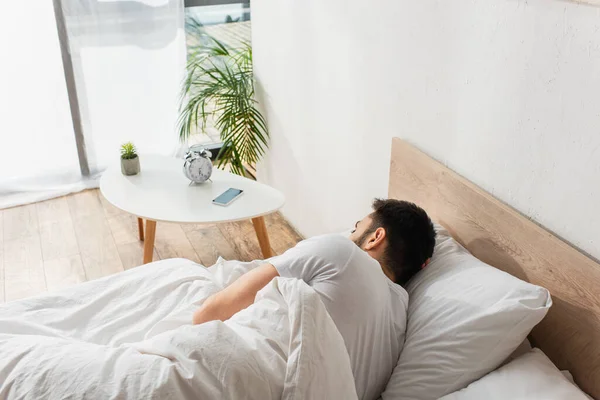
(130, 162)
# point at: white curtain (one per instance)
(38, 156)
(128, 60)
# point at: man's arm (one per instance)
(235, 297)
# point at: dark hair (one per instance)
(410, 236)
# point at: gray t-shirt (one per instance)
(368, 309)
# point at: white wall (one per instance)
(505, 92)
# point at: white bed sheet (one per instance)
(531, 376)
(128, 336)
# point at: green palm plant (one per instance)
(219, 84)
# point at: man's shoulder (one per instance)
(330, 249)
(331, 239)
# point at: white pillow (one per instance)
(464, 319)
(529, 377)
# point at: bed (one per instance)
(500, 236)
(128, 335)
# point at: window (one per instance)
(227, 21)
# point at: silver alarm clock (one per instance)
(197, 166)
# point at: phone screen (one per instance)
(227, 196)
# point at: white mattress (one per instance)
(129, 336)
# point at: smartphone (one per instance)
(227, 197)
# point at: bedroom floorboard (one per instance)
(60, 242)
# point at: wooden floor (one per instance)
(60, 242)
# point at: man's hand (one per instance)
(237, 296)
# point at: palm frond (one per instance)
(219, 84)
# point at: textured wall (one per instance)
(507, 93)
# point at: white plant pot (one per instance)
(130, 166)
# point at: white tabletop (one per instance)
(161, 192)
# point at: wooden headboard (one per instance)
(500, 236)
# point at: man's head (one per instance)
(399, 235)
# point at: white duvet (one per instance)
(128, 336)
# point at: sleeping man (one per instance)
(359, 280)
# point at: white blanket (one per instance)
(128, 336)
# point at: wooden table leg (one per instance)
(149, 242)
(141, 228)
(263, 236)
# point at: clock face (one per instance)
(199, 169)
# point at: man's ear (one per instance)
(375, 239)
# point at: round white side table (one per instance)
(160, 192)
